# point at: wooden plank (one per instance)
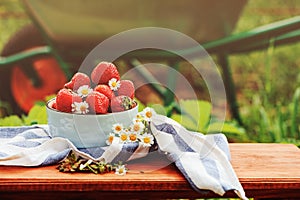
(266, 162)
(265, 170)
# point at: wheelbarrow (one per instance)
(44, 55)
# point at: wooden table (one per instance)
(264, 170)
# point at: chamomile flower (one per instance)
(146, 139)
(147, 113)
(137, 127)
(121, 170)
(138, 118)
(80, 107)
(135, 120)
(110, 138)
(117, 128)
(114, 84)
(84, 90)
(123, 137)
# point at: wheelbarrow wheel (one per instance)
(18, 87)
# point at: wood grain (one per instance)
(264, 170)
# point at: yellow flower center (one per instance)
(138, 116)
(132, 137)
(147, 140)
(110, 138)
(83, 108)
(136, 127)
(121, 170)
(118, 128)
(114, 84)
(123, 137)
(148, 114)
(85, 92)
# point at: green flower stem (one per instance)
(76, 164)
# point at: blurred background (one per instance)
(267, 81)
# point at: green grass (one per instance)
(267, 80)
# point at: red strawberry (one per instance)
(65, 98)
(79, 79)
(54, 106)
(103, 72)
(126, 88)
(98, 103)
(121, 103)
(104, 89)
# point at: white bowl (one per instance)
(89, 130)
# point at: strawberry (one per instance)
(79, 79)
(126, 88)
(54, 105)
(104, 89)
(121, 103)
(98, 102)
(65, 98)
(103, 72)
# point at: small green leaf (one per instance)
(12, 120)
(231, 130)
(198, 111)
(159, 109)
(141, 105)
(186, 122)
(36, 115)
(49, 97)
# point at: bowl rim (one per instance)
(88, 114)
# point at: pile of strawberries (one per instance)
(101, 93)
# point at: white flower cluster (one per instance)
(136, 132)
(82, 107)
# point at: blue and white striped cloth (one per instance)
(204, 160)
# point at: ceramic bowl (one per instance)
(86, 131)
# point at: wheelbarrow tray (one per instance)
(90, 22)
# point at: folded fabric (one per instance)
(202, 159)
